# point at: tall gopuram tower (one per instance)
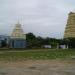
(70, 27)
(18, 38)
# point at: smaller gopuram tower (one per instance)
(18, 38)
(70, 27)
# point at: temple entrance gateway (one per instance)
(69, 34)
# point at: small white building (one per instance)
(47, 46)
(64, 46)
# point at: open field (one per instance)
(37, 62)
(38, 67)
(36, 54)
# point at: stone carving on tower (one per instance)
(18, 32)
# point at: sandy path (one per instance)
(38, 67)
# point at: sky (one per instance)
(46, 18)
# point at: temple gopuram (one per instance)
(70, 27)
(17, 38)
(69, 34)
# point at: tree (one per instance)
(38, 42)
(4, 43)
(71, 42)
(30, 38)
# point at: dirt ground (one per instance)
(38, 67)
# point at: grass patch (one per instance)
(36, 54)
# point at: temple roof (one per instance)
(18, 32)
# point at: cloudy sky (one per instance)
(46, 18)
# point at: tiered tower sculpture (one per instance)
(18, 32)
(70, 27)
